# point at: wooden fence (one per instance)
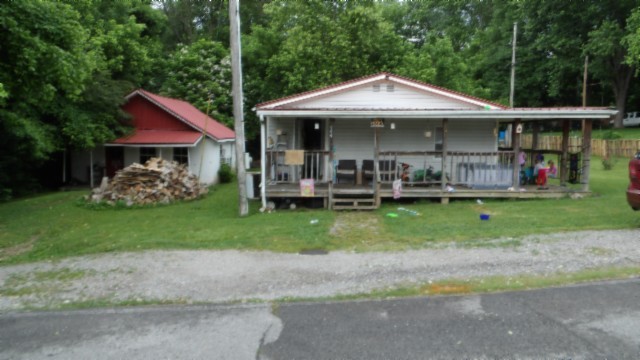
(599, 147)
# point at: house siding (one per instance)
(402, 97)
(148, 116)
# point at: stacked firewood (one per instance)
(157, 181)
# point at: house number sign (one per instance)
(377, 123)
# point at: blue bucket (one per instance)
(484, 216)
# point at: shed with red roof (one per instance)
(163, 127)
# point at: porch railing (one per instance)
(471, 169)
(313, 167)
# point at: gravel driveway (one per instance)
(222, 276)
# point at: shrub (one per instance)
(225, 174)
(611, 135)
(608, 163)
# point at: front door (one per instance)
(114, 159)
(312, 134)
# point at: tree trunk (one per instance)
(620, 84)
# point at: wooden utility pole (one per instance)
(587, 125)
(513, 64)
(584, 81)
(238, 113)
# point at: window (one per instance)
(146, 153)
(181, 155)
(224, 157)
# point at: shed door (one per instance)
(114, 159)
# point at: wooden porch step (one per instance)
(353, 203)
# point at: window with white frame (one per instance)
(147, 153)
(225, 155)
(181, 155)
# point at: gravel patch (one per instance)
(223, 276)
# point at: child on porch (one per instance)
(553, 170)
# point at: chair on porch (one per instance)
(346, 169)
(367, 172)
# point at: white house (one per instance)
(355, 138)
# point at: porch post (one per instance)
(534, 138)
(376, 166)
(566, 126)
(516, 137)
(263, 161)
(443, 178)
(586, 153)
(330, 172)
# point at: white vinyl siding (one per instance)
(471, 135)
(383, 97)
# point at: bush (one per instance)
(608, 163)
(225, 174)
(611, 135)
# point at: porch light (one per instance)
(393, 126)
(427, 134)
(316, 126)
(278, 132)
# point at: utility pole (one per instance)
(238, 113)
(584, 81)
(513, 64)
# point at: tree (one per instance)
(607, 51)
(43, 67)
(199, 72)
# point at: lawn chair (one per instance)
(367, 171)
(346, 170)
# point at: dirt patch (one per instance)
(19, 249)
(355, 224)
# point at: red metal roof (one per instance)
(160, 137)
(375, 77)
(189, 114)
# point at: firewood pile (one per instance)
(157, 181)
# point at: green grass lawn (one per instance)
(57, 225)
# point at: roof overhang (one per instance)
(159, 138)
(495, 114)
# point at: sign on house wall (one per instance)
(377, 123)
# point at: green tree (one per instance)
(200, 72)
(43, 67)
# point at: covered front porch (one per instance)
(354, 144)
(467, 175)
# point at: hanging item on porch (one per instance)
(307, 187)
(377, 123)
(294, 157)
(397, 188)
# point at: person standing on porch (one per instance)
(522, 159)
(552, 170)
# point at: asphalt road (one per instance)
(593, 321)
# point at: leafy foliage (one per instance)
(225, 173)
(200, 72)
